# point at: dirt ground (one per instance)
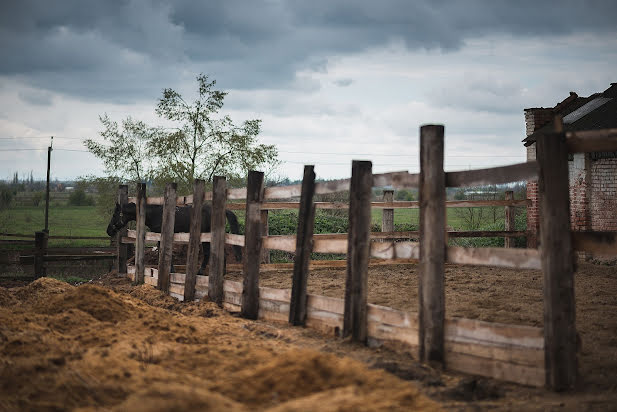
(108, 345)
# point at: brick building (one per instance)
(593, 176)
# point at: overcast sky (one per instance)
(332, 80)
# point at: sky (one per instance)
(332, 81)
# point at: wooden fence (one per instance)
(528, 355)
(40, 253)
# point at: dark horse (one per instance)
(154, 220)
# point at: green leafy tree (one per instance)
(126, 152)
(203, 143)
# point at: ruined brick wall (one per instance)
(580, 186)
(604, 194)
(534, 119)
(533, 212)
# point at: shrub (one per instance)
(79, 198)
(37, 198)
(6, 196)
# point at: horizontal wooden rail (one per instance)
(492, 256)
(509, 352)
(604, 140)
(385, 205)
(29, 259)
(494, 175)
(377, 205)
(57, 237)
(398, 180)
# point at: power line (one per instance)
(391, 155)
(40, 137)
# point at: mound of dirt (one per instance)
(297, 374)
(172, 397)
(6, 298)
(102, 304)
(90, 348)
(41, 290)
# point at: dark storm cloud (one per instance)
(119, 49)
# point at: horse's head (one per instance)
(118, 221)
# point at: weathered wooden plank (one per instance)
(283, 192)
(330, 245)
(398, 180)
(493, 256)
(473, 330)
(167, 234)
(333, 186)
(122, 252)
(604, 140)
(356, 285)
(557, 261)
(523, 374)
(238, 240)
(395, 250)
(431, 292)
(597, 243)
(303, 249)
(493, 176)
(387, 214)
(217, 247)
(386, 205)
(252, 255)
(265, 253)
(192, 258)
(140, 233)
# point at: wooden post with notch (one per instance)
(557, 261)
(358, 248)
(140, 241)
(265, 253)
(304, 247)
(167, 237)
(431, 294)
(122, 248)
(192, 258)
(509, 217)
(387, 215)
(252, 246)
(217, 244)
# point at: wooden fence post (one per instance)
(122, 248)
(140, 241)
(167, 237)
(217, 244)
(431, 295)
(509, 216)
(252, 246)
(304, 247)
(265, 253)
(40, 246)
(557, 263)
(192, 258)
(358, 248)
(387, 215)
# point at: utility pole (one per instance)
(49, 149)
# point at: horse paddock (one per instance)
(496, 295)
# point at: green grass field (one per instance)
(86, 221)
(63, 221)
(455, 216)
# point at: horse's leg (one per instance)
(206, 248)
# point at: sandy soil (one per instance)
(110, 346)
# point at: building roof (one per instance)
(598, 111)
